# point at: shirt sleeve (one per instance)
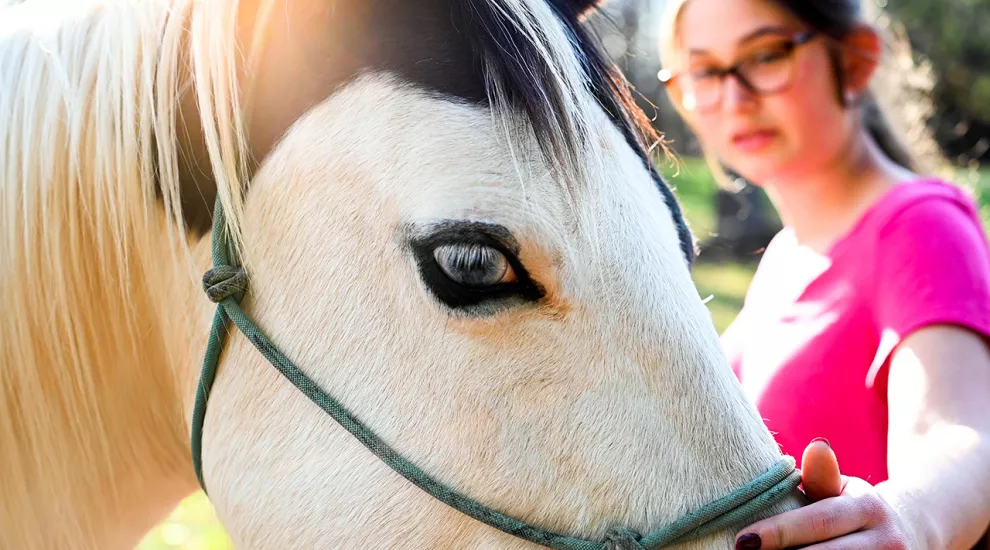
(932, 266)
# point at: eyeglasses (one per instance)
(767, 70)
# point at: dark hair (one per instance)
(837, 19)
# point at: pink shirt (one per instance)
(812, 343)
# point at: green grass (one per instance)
(695, 188)
(724, 286)
(193, 525)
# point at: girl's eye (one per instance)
(769, 55)
(704, 73)
(474, 265)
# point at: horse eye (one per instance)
(474, 265)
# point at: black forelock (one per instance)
(524, 75)
(456, 48)
(612, 91)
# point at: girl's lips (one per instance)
(753, 140)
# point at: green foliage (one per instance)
(955, 36)
(978, 183)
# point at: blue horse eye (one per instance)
(473, 265)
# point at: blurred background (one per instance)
(936, 87)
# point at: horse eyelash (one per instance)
(459, 297)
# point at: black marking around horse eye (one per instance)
(466, 264)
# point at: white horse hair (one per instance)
(340, 135)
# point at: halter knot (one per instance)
(225, 281)
(621, 538)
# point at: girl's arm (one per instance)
(939, 437)
(938, 492)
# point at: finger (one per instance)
(820, 471)
(816, 522)
(856, 487)
(863, 539)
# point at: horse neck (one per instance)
(93, 429)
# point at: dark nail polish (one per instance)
(817, 439)
(750, 541)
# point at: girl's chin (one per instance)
(762, 171)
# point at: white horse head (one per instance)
(450, 222)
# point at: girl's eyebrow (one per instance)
(762, 31)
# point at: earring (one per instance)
(851, 97)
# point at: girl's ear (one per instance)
(861, 55)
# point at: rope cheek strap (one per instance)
(225, 285)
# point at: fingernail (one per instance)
(750, 541)
(817, 439)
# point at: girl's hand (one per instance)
(846, 513)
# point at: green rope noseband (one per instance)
(225, 285)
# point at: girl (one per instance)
(868, 319)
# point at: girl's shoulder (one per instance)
(922, 210)
(921, 199)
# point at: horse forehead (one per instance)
(310, 49)
(313, 48)
(430, 158)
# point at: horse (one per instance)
(450, 219)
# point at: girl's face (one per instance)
(786, 120)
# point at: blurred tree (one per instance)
(629, 31)
(954, 37)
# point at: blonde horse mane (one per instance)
(89, 95)
(88, 394)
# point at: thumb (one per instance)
(820, 471)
